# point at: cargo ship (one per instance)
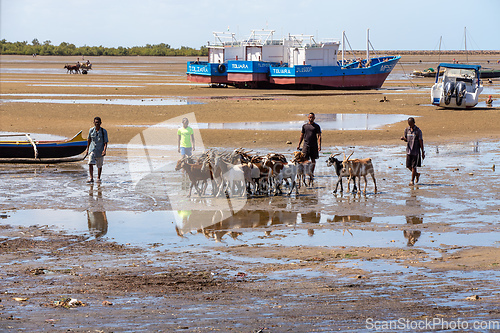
(294, 62)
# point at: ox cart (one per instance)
(85, 67)
(80, 67)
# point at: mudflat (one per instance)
(404, 259)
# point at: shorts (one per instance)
(413, 161)
(98, 161)
(186, 151)
(310, 152)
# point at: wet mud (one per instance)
(141, 256)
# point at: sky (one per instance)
(393, 24)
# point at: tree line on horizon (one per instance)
(67, 49)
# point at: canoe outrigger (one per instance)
(30, 149)
(458, 88)
(429, 72)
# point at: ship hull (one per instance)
(335, 77)
(261, 74)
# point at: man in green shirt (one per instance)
(185, 139)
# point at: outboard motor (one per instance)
(460, 91)
(449, 88)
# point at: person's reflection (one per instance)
(98, 223)
(184, 214)
(412, 219)
(413, 235)
(96, 214)
(310, 217)
(413, 201)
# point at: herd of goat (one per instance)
(238, 173)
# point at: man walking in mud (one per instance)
(413, 136)
(311, 135)
(97, 143)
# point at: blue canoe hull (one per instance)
(46, 149)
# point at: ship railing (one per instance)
(224, 38)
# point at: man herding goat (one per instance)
(311, 135)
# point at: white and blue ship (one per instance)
(297, 61)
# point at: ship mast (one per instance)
(439, 54)
(367, 45)
(343, 47)
(465, 41)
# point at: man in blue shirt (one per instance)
(97, 143)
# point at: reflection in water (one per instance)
(475, 147)
(98, 223)
(413, 235)
(216, 224)
(413, 201)
(414, 219)
(205, 222)
(311, 217)
(350, 218)
(96, 214)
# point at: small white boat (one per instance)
(458, 88)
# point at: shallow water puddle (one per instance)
(455, 204)
(163, 229)
(333, 121)
(120, 101)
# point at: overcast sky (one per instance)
(393, 24)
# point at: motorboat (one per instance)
(458, 88)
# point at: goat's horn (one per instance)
(349, 156)
(333, 155)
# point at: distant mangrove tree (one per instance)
(67, 49)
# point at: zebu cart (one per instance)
(85, 67)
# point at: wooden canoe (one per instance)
(26, 148)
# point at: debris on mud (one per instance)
(66, 303)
